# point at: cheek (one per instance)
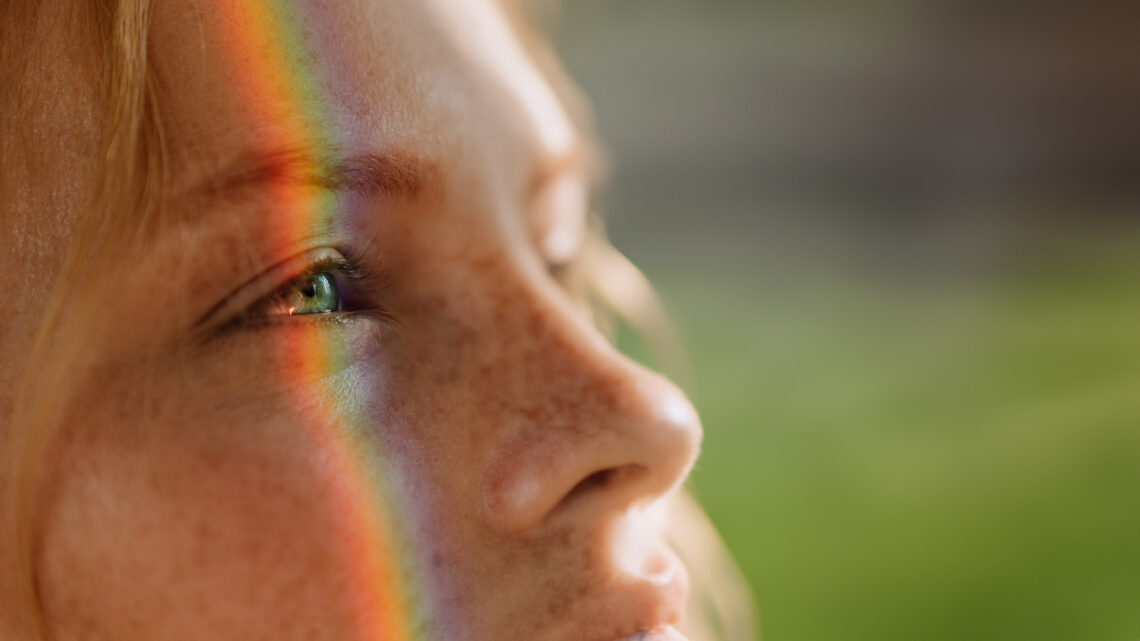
(247, 529)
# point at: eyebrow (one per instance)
(392, 174)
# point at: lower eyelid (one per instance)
(327, 318)
(377, 323)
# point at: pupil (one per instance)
(310, 288)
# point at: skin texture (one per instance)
(513, 465)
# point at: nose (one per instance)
(599, 434)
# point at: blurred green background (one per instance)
(901, 241)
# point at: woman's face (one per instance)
(390, 421)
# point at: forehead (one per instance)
(437, 78)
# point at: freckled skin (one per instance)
(506, 440)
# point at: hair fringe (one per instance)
(128, 173)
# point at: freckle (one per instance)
(485, 263)
(554, 609)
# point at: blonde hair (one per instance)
(128, 176)
(120, 204)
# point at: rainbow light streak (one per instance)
(283, 90)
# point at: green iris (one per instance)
(315, 294)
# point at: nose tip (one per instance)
(634, 447)
(672, 433)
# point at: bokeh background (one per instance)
(901, 242)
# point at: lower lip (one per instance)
(668, 633)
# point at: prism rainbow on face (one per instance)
(283, 97)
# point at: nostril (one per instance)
(595, 481)
(604, 480)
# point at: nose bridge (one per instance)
(583, 425)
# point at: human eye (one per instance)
(325, 288)
(318, 286)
